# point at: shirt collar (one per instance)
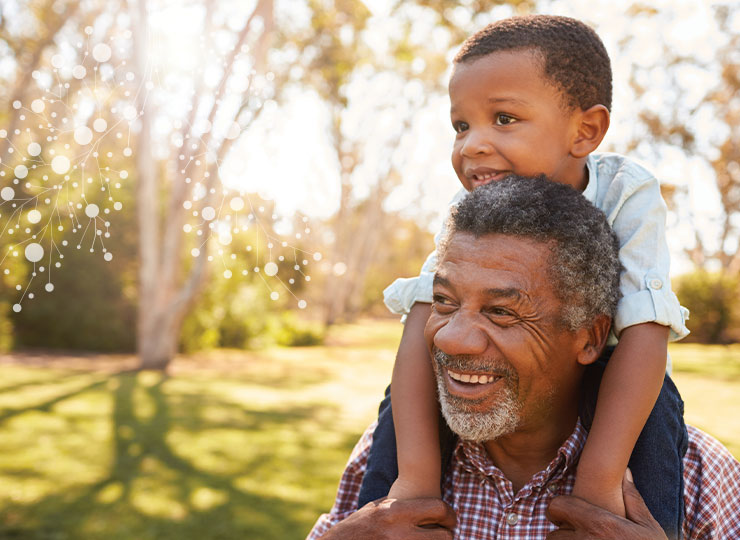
(591, 186)
(473, 457)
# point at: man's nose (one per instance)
(461, 335)
(476, 143)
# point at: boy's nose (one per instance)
(476, 144)
(461, 335)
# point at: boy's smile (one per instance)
(510, 119)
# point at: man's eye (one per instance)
(440, 303)
(499, 312)
(504, 119)
(459, 127)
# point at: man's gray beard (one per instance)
(474, 425)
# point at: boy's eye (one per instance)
(459, 127)
(504, 119)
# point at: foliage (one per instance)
(240, 312)
(712, 299)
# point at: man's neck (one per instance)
(524, 453)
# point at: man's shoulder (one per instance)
(711, 488)
(707, 456)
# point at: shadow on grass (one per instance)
(151, 492)
(47, 405)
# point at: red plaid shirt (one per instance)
(488, 508)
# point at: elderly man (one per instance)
(524, 292)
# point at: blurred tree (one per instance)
(398, 83)
(712, 300)
(703, 121)
(260, 53)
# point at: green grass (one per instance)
(231, 444)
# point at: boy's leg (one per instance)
(382, 463)
(657, 460)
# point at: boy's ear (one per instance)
(593, 124)
(591, 340)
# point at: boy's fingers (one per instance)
(570, 512)
(433, 512)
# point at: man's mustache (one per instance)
(475, 364)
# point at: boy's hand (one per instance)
(600, 492)
(405, 489)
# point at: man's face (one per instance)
(509, 119)
(502, 360)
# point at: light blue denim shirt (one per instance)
(630, 197)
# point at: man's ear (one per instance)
(591, 340)
(592, 126)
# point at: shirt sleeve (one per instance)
(403, 293)
(348, 493)
(639, 220)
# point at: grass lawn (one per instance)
(232, 444)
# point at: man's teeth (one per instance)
(479, 379)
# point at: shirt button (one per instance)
(512, 519)
(552, 488)
(656, 284)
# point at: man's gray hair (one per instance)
(583, 264)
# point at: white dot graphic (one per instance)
(49, 287)
(101, 52)
(17, 308)
(108, 256)
(100, 125)
(37, 106)
(83, 135)
(274, 295)
(57, 61)
(195, 252)
(92, 210)
(271, 269)
(301, 304)
(117, 205)
(60, 164)
(7, 193)
(208, 213)
(237, 203)
(21, 171)
(34, 149)
(34, 216)
(79, 72)
(129, 113)
(34, 252)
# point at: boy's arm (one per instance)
(415, 412)
(629, 388)
(639, 220)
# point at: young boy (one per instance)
(532, 95)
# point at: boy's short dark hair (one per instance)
(574, 58)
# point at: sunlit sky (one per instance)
(287, 154)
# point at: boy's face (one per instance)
(510, 119)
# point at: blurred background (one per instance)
(201, 202)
